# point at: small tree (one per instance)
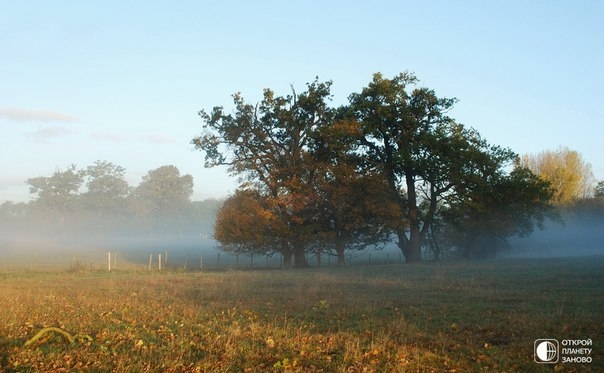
(245, 223)
(58, 194)
(107, 188)
(506, 205)
(599, 190)
(570, 176)
(165, 191)
(164, 197)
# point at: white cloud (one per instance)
(27, 115)
(44, 134)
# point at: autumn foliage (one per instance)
(322, 179)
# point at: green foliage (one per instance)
(106, 187)
(164, 191)
(96, 203)
(56, 195)
(599, 190)
(269, 145)
(496, 208)
(390, 161)
(426, 157)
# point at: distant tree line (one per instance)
(388, 164)
(97, 202)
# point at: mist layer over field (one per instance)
(36, 249)
(575, 235)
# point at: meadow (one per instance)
(433, 317)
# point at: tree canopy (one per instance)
(97, 201)
(390, 161)
(569, 174)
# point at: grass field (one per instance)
(455, 317)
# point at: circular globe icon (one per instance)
(546, 351)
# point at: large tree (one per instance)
(268, 146)
(389, 160)
(425, 156)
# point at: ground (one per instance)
(456, 317)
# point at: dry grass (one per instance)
(433, 317)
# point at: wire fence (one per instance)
(174, 259)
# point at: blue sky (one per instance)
(123, 81)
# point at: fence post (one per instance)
(159, 261)
(150, 261)
(109, 261)
(201, 262)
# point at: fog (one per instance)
(38, 239)
(576, 235)
(31, 239)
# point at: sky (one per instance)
(118, 81)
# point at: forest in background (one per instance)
(95, 207)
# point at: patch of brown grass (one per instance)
(432, 317)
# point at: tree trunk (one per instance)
(413, 250)
(287, 255)
(300, 256)
(412, 247)
(340, 247)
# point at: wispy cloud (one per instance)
(44, 134)
(107, 136)
(27, 115)
(7, 182)
(152, 138)
(155, 138)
